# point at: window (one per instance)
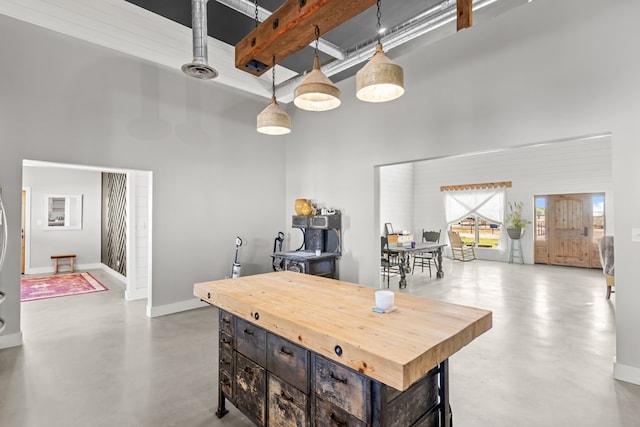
(477, 214)
(478, 231)
(597, 201)
(541, 225)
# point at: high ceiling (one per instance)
(160, 31)
(230, 26)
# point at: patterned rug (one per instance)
(60, 285)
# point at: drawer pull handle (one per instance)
(337, 378)
(248, 332)
(285, 351)
(285, 397)
(336, 421)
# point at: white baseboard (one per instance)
(129, 295)
(626, 373)
(113, 273)
(49, 270)
(176, 307)
(136, 294)
(11, 340)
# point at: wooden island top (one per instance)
(396, 348)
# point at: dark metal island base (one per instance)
(301, 350)
(275, 382)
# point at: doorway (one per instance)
(568, 228)
(137, 251)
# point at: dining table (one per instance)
(405, 250)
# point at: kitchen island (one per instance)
(296, 349)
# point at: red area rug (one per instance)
(60, 285)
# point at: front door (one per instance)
(570, 226)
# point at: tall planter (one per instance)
(515, 233)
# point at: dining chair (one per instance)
(423, 259)
(388, 260)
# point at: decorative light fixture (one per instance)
(316, 92)
(273, 120)
(380, 80)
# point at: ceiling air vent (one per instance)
(199, 68)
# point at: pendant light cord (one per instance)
(379, 20)
(255, 2)
(317, 38)
(273, 78)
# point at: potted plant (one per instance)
(514, 221)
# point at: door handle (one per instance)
(586, 231)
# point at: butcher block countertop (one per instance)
(395, 348)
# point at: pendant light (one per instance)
(316, 92)
(380, 80)
(273, 120)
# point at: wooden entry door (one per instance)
(570, 226)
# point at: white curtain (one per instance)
(487, 203)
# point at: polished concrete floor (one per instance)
(97, 360)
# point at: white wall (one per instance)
(397, 198)
(545, 71)
(214, 177)
(139, 220)
(43, 242)
(560, 167)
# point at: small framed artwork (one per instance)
(63, 211)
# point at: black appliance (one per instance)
(320, 249)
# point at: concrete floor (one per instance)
(97, 360)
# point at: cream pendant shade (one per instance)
(273, 120)
(316, 92)
(380, 80)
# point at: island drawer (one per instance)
(418, 402)
(250, 389)
(288, 361)
(331, 416)
(288, 406)
(429, 420)
(226, 382)
(251, 341)
(225, 342)
(225, 362)
(226, 322)
(342, 387)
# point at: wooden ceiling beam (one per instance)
(292, 27)
(465, 14)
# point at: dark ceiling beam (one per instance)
(465, 14)
(291, 28)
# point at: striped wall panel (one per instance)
(114, 221)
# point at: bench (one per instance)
(70, 258)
